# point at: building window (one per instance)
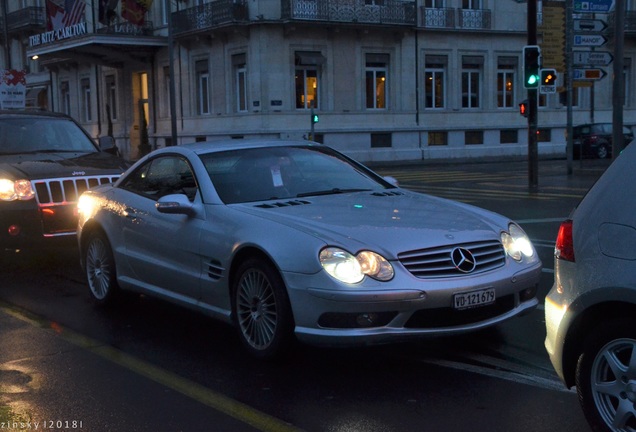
(438, 4)
(240, 82)
(111, 97)
(627, 63)
(471, 79)
(307, 76)
(379, 140)
(471, 4)
(65, 98)
(202, 87)
(376, 80)
(544, 135)
(165, 108)
(87, 114)
(506, 82)
(438, 138)
(434, 82)
(509, 136)
(472, 137)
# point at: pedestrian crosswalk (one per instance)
(474, 186)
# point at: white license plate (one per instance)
(474, 298)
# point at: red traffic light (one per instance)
(523, 108)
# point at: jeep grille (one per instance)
(61, 191)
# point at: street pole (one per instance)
(618, 93)
(173, 103)
(569, 85)
(533, 150)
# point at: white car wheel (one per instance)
(606, 377)
(261, 309)
(100, 268)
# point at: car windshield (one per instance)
(260, 174)
(42, 135)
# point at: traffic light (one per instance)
(314, 118)
(523, 108)
(548, 78)
(531, 66)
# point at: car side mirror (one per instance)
(392, 180)
(175, 204)
(107, 144)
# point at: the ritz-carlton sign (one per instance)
(57, 35)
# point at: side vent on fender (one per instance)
(215, 271)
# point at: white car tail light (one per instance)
(564, 248)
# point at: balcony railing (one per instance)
(438, 17)
(26, 19)
(395, 12)
(474, 19)
(209, 16)
(469, 19)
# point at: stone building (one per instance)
(388, 79)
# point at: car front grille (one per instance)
(61, 191)
(57, 199)
(438, 262)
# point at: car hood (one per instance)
(35, 166)
(388, 222)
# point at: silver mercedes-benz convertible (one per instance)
(293, 240)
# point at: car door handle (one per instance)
(131, 213)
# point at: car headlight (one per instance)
(351, 268)
(516, 243)
(11, 190)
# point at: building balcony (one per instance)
(26, 20)
(393, 12)
(209, 16)
(448, 18)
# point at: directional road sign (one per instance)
(592, 58)
(589, 74)
(589, 25)
(592, 6)
(591, 40)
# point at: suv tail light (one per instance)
(564, 248)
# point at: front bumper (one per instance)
(374, 314)
(23, 224)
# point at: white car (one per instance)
(591, 310)
(287, 238)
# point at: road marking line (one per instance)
(235, 409)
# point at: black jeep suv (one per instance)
(46, 161)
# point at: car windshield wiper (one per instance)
(333, 191)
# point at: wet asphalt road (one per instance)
(149, 366)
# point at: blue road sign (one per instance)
(591, 6)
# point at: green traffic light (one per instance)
(533, 79)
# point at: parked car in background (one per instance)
(590, 312)
(46, 161)
(595, 139)
(292, 238)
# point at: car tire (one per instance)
(99, 266)
(261, 309)
(605, 378)
(602, 151)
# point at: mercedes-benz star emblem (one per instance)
(463, 260)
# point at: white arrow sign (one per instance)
(589, 40)
(589, 25)
(592, 58)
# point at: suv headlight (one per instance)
(351, 268)
(516, 243)
(11, 190)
